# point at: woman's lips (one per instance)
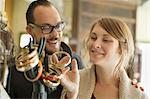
(96, 52)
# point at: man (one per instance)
(43, 20)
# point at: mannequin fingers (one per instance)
(64, 61)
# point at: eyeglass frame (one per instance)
(50, 26)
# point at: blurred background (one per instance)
(79, 16)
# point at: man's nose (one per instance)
(54, 32)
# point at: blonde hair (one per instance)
(120, 31)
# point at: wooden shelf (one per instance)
(85, 12)
(113, 3)
(96, 16)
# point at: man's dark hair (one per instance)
(32, 6)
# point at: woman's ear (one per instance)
(120, 49)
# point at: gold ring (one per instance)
(21, 68)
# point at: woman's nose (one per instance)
(97, 44)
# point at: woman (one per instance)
(111, 49)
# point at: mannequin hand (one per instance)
(70, 80)
(26, 61)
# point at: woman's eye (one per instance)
(107, 40)
(93, 36)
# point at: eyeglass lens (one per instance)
(48, 28)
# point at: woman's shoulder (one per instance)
(87, 76)
(87, 82)
(86, 70)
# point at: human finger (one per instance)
(74, 65)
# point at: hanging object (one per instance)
(3, 21)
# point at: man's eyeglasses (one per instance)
(47, 28)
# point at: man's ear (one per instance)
(29, 29)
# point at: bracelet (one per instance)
(50, 78)
(61, 53)
(40, 69)
(19, 63)
(51, 84)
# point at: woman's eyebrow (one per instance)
(106, 35)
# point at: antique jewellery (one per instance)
(27, 47)
(35, 73)
(53, 69)
(58, 61)
(40, 69)
(32, 70)
(20, 66)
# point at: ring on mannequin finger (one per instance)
(22, 65)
